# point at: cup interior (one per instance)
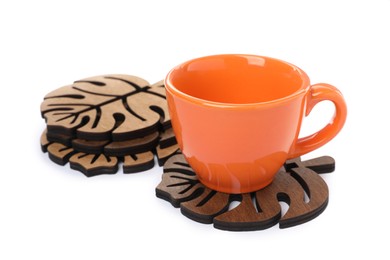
(237, 79)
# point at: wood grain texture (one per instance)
(60, 153)
(92, 164)
(167, 138)
(95, 164)
(98, 122)
(138, 162)
(84, 146)
(59, 138)
(133, 146)
(110, 107)
(256, 210)
(163, 154)
(117, 148)
(110, 148)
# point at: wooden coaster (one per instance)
(257, 210)
(111, 107)
(98, 123)
(110, 148)
(96, 164)
(167, 138)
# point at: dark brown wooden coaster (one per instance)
(101, 108)
(97, 164)
(257, 210)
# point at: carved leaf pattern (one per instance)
(111, 107)
(96, 164)
(99, 122)
(256, 210)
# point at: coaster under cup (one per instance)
(256, 210)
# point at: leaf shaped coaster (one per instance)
(257, 210)
(111, 107)
(100, 163)
(98, 123)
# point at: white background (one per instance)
(52, 212)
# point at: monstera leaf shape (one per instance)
(257, 210)
(99, 163)
(111, 107)
(101, 123)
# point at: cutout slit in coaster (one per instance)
(257, 210)
(111, 107)
(99, 122)
(99, 163)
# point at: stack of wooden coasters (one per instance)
(99, 122)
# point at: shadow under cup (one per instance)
(236, 117)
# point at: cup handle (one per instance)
(317, 93)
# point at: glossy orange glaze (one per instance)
(237, 117)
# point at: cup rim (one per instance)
(169, 86)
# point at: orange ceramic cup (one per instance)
(237, 117)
